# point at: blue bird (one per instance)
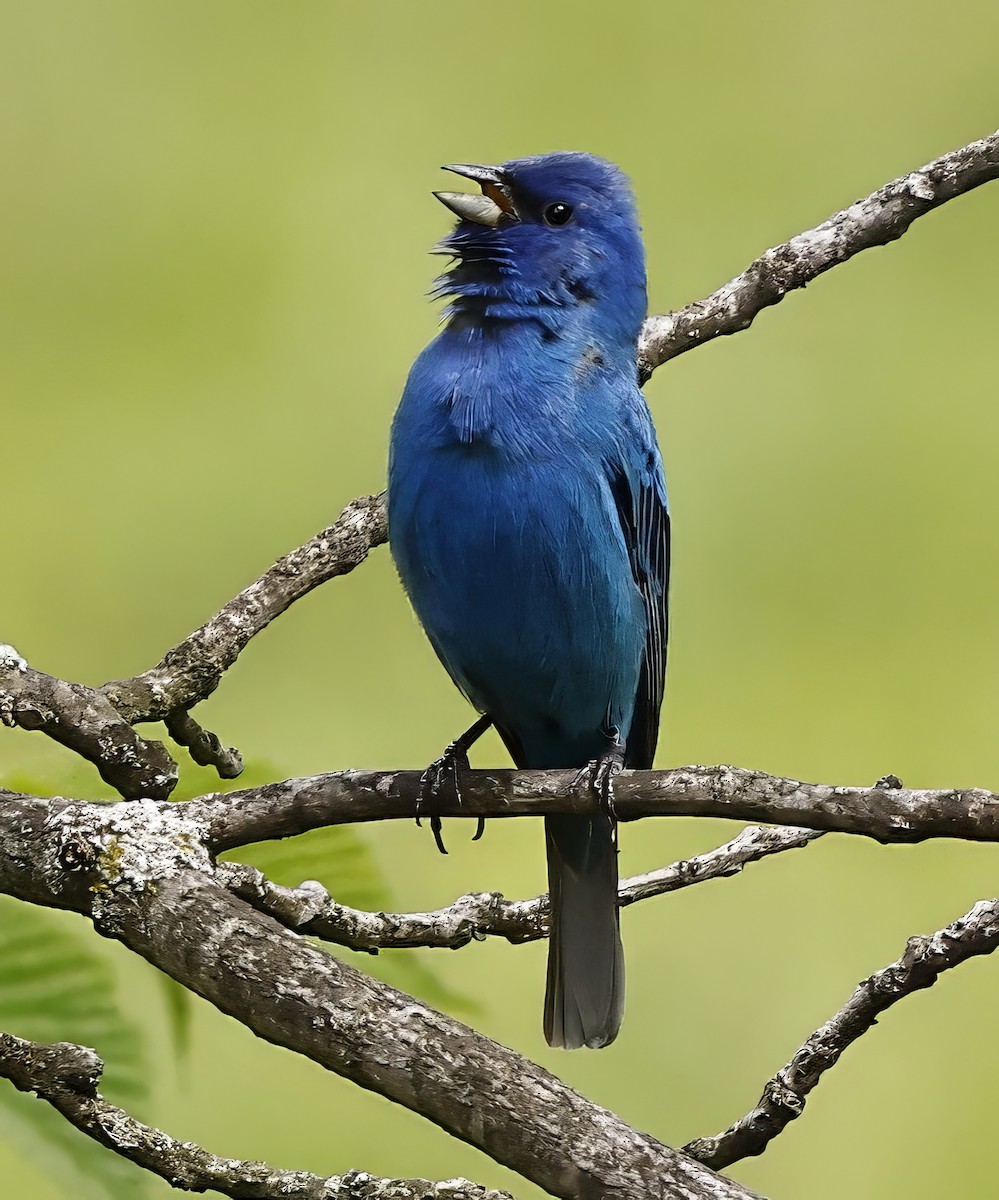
(528, 522)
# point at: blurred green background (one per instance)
(213, 236)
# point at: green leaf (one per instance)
(52, 989)
(338, 857)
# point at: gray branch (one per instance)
(783, 1099)
(84, 720)
(310, 909)
(875, 221)
(885, 812)
(67, 1077)
(97, 722)
(192, 670)
(142, 873)
(145, 874)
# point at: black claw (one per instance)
(598, 776)
(446, 774)
(435, 828)
(608, 767)
(439, 775)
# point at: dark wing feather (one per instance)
(641, 507)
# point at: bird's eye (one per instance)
(558, 214)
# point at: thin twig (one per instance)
(67, 1077)
(310, 909)
(203, 746)
(783, 1099)
(97, 722)
(193, 669)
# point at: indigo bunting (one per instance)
(528, 522)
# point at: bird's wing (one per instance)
(639, 489)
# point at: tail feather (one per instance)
(584, 1002)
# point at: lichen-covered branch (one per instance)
(310, 909)
(142, 874)
(67, 1077)
(783, 1099)
(884, 812)
(145, 874)
(874, 221)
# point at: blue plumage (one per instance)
(527, 517)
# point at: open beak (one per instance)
(492, 206)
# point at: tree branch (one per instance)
(310, 909)
(191, 671)
(875, 221)
(97, 722)
(783, 1099)
(141, 872)
(85, 721)
(886, 813)
(144, 874)
(67, 1077)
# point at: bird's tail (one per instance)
(584, 1002)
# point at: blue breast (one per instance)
(506, 536)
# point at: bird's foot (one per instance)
(446, 774)
(597, 777)
(441, 777)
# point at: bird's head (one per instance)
(554, 239)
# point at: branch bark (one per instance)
(310, 909)
(783, 1099)
(96, 722)
(884, 812)
(67, 1077)
(880, 218)
(192, 670)
(142, 873)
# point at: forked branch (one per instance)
(145, 873)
